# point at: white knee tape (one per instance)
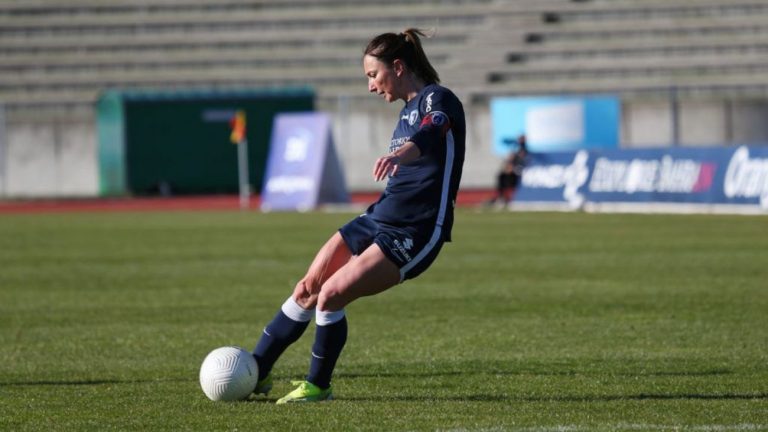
(328, 318)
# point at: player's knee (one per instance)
(330, 299)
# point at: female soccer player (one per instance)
(399, 236)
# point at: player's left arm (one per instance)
(435, 122)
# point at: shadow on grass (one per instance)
(95, 382)
(434, 398)
(523, 372)
(73, 383)
(586, 398)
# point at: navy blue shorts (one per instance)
(412, 249)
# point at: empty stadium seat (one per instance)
(53, 53)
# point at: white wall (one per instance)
(3, 148)
(646, 124)
(51, 159)
(60, 158)
(481, 164)
(749, 122)
(703, 123)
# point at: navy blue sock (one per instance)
(278, 335)
(329, 341)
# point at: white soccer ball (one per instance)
(228, 373)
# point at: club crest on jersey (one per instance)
(412, 117)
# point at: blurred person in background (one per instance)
(399, 236)
(510, 174)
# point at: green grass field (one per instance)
(527, 322)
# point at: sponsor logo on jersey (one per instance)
(397, 143)
(403, 247)
(408, 243)
(429, 102)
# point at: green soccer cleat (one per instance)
(306, 392)
(264, 386)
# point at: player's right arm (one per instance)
(387, 165)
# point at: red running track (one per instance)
(466, 198)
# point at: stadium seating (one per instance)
(65, 54)
(626, 46)
(56, 58)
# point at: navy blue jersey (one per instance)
(424, 191)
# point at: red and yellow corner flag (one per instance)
(237, 123)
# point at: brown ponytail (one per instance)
(406, 46)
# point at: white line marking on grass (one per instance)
(694, 428)
(623, 427)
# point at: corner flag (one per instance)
(237, 123)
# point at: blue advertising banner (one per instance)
(556, 123)
(722, 176)
(303, 169)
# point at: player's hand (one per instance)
(305, 293)
(385, 166)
